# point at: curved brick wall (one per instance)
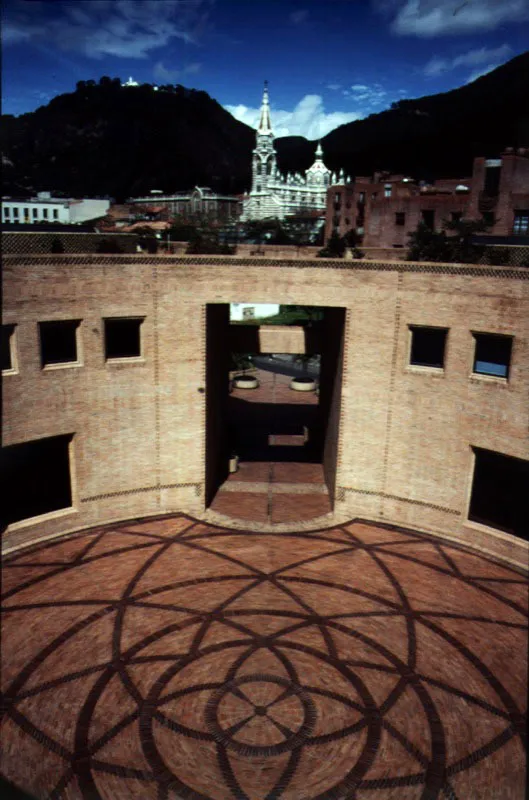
(404, 435)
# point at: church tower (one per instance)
(264, 155)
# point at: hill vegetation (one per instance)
(105, 139)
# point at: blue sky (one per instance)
(326, 62)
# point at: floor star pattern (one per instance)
(173, 659)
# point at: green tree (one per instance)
(426, 244)
(108, 245)
(463, 231)
(335, 247)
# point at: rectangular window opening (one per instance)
(499, 492)
(428, 218)
(58, 342)
(521, 223)
(400, 218)
(428, 346)
(492, 354)
(8, 348)
(35, 478)
(123, 337)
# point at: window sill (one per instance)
(124, 361)
(9, 372)
(61, 365)
(38, 520)
(498, 533)
(416, 369)
(482, 378)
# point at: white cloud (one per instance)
(437, 66)
(333, 87)
(368, 96)
(299, 17)
(444, 17)
(308, 118)
(478, 73)
(98, 28)
(166, 75)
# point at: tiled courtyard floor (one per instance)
(171, 659)
(279, 478)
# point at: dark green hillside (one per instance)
(104, 139)
(439, 135)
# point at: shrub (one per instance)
(497, 256)
(335, 247)
(108, 246)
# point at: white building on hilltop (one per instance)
(276, 195)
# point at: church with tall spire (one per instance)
(274, 194)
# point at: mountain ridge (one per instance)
(105, 139)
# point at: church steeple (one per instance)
(265, 126)
(319, 152)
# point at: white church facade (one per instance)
(276, 195)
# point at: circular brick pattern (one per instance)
(175, 659)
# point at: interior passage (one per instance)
(275, 433)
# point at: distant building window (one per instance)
(488, 218)
(45, 213)
(374, 195)
(8, 348)
(26, 213)
(492, 354)
(428, 346)
(55, 213)
(258, 187)
(521, 222)
(455, 216)
(7, 212)
(400, 218)
(15, 213)
(336, 220)
(337, 198)
(347, 221)
(58, 342)
(499, 492)
(387, 191)
(492, 180)
(362, 197)
(123, 337)
(34, 212)
(428, 218)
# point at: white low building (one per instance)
(45, 208)
(240, 311)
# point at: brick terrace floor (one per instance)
(171, 659)
(274, 424)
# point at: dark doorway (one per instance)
(35, 478)
(279, 436)
(499, 492)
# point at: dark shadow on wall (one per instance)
(217, 382)
(333, 328)
(253, 428)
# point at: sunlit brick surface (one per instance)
(173, 659)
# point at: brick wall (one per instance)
(405, 434)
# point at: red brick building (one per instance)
(384, 209)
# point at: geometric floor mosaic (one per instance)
(173, 659)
